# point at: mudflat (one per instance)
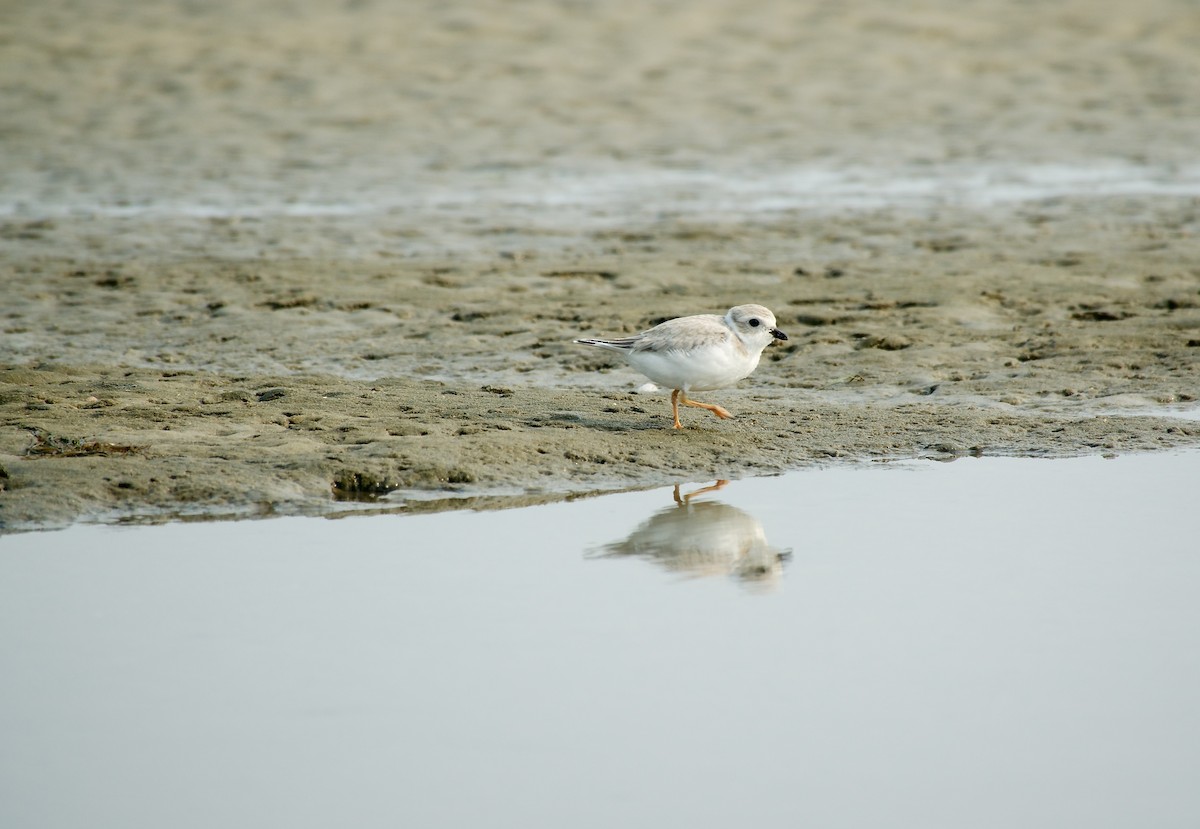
(285, 258)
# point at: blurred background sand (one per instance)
(251, 106)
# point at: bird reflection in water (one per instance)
(704, 538)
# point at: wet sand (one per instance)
(288, 259)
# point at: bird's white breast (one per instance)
(699, 369)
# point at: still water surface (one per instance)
(986, 643)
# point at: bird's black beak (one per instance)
(777, 334)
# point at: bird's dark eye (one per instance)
(754, 323)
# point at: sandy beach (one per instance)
(299, 258)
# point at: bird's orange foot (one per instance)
(712, 407)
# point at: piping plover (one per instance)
(699, 353)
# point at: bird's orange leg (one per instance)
(675, 407)
(715, 409)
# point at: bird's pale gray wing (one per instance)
(622, 344)
(683, 334)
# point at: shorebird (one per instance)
(699, 353)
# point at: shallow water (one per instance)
(590, 196)
(989, 642)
